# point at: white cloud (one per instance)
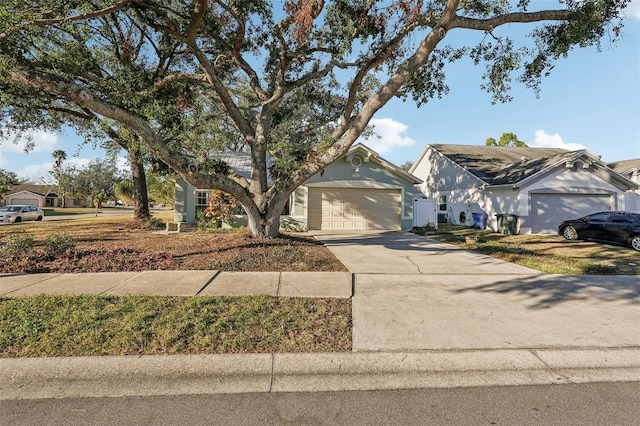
(544, 140)
(633, 9)
(388, 135)
(40, 172)
(43, 142)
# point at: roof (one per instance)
(240, 163)
(625, 166)
(388, 165)
(41, 190)
(498, 165)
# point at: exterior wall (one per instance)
(34, 199)
(369, 174)
(463, 191)
(185, 202)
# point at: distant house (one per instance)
(358, 191)
(542, 186)
(33, 195)
(40, 196)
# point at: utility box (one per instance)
(507, 223)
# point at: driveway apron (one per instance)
(412, 293)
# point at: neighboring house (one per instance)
(542, 186)
(33, 195)
(628, 168)
(359, 191)
(40, 196)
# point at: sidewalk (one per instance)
(182, 283)
(425, 314)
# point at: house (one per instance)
(627, 168)
(33, 195)
(542, 186)
(358, 191)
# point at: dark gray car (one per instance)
(614, 227)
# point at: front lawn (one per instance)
(547, 253)
(150, 325)
(115, 243)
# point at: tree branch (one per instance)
(510, 18)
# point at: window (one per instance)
(598, 217)
(202, 200)
(442, 203)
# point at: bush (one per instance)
(16, 245)
(599, 269)
(56, 244)
(154, 223)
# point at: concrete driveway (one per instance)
(397, 252)
(412, 293)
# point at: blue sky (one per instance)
(591, 100)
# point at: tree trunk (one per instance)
(140, 195)
(263, 225)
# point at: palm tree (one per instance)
(59, 155)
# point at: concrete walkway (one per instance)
(425, 314)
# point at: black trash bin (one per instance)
(507, 223)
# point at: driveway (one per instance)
(412, 293)
(397, 252)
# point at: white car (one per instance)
(18, 213)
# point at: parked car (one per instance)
(615, 227)
(19, 213)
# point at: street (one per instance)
(574, 404)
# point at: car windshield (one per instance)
(10, 209)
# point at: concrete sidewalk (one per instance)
(182, 283)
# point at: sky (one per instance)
(590, 101)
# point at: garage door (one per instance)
(366, 209)
(548, 210)
(26, 201)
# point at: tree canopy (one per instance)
(507, 139)
(297, 81)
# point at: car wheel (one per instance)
(570, 233)
(18, 220)
(39, 218)
(635, 242)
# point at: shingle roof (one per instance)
(497, 165)
(624, 166)
(36, 189)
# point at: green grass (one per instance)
(131, 325)
(547, 253)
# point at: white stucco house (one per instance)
(358, 191)
(542, 186)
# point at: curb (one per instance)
(118, 376)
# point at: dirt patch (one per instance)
(109, 245)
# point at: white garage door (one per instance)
(366, 209)
(548, 210)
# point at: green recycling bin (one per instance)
(507, 223)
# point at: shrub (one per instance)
(56, 244)
(154, 223)
(16, 245)
(599, 269)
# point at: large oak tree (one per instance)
(297, 83)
